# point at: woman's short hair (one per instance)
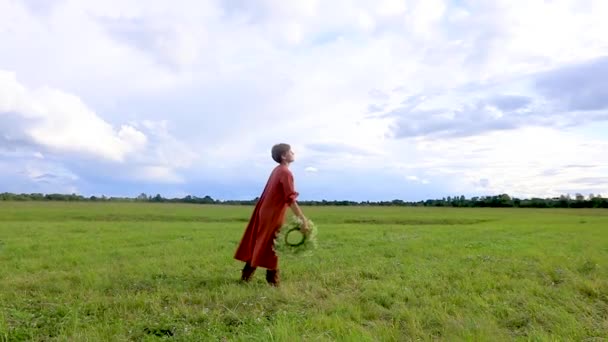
(279, 150)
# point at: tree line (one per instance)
(495, 201)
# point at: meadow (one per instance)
(145, 272)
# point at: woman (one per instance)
(256, 248)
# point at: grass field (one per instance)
(115, 272)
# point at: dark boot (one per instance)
(247, 272)
(272, 277)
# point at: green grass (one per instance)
(108, 271)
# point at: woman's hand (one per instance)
(304, 228)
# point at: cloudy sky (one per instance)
(383, 99)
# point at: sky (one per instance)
(380, 100)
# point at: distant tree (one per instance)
(563, 201)
(501, 200)
(37, 197)
(207, 200)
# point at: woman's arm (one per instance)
(298, 212)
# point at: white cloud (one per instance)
(311, 169)
(424, 16)
(160, 174)
(61, 125)
(79, 55)
(416, 179)
(60, 122)
(167, 150)
(527, 162)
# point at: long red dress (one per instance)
(257, 244)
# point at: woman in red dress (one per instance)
(256, 248)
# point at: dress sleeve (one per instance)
(289, 192)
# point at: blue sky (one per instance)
(380, 100)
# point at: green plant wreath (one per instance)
(294, 244)
(306, 246)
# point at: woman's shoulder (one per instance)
(281, 170)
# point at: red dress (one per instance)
(257, 245)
